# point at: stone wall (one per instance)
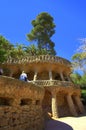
(20, 105)
(21, 118)
(27, 105)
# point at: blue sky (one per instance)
(69, 18)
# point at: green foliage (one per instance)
(79, 58)
(31, 50)
(34, 50)
(84, 92)
(18, 51)
(76, 77)
(83, 81)
(79, 63)
(83, 95)
(7, 50)
(5, 47)
(79, 79)
(43, 30)
(2, 55)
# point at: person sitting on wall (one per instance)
(23, 76)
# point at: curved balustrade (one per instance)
(54, 83)
(41, 58)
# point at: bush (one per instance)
(83, 95)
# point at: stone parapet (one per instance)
(12, 87)
(41, 59)
(57, 83)
(20, 105)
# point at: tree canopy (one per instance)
(79, 63)
(43, 30)
(19, 51)
(5, 48)
(8, 50)
(79, 58)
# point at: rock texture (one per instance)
(20, 105)
(50, 92)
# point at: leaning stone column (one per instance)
(54, 105)
(71, 105)
(50, 75)
(62, 77)
(35, 76)
(79, 104)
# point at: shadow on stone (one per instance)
(57, 125)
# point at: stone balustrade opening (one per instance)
(37, 102)
(26, 101)
(4, 101)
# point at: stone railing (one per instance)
(41, 58)
(57, 83)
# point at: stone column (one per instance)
(79, 104)
(50, 75)
(11, 73)
(54, 105)
(62, 77)
(35, 76)
(71, 105)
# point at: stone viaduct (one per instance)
(49, 92)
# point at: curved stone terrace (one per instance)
(48, 81)
(41, 58)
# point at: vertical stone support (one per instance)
(54, 105)
(11, 74)
(16, 102)
(62, 77)
(71, 105)
(50, 74)
(79, 104)
(35, 76)
(33, 102)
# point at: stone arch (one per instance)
(43, 75)
(74, 101)
(30, 75)
(78, 104)
(62, 104)
(56, 76)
